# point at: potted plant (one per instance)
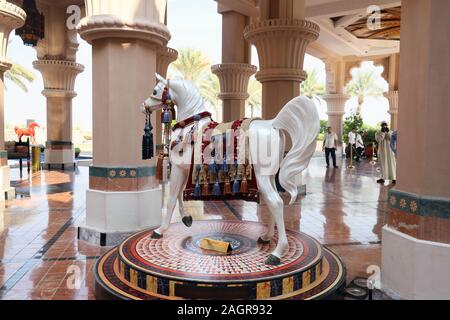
(77, 152)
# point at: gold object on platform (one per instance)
(216, 245)
(36, 158)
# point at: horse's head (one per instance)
(185, 95)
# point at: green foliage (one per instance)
(369, 136)
(191, 65)
(354, 121)
(19, 75)
(311, 87)
(323, 126)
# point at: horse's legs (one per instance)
(187, 219)
(269, 193)
(264, 239)
(178, 178)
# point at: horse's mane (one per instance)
(188, 98)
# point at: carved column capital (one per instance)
(59, 77)
(142, 20)
(336, 103)
(234, 78)
(392, 96)
(11, 17)
(164, 58)
(281, 45)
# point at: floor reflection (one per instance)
(39, 251)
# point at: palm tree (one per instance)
(210, 89)
(364, 84)
(311, 87)
(194, 66)
(255, 99)
(19, 75)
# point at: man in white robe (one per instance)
(385, 155)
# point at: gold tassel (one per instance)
(159, 167)
(227, 187)
(244, 186)
(205, 190)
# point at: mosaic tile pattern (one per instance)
(178, 256)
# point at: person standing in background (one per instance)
(360, 144)
(386, 155)
(352, 144)
(330, 144)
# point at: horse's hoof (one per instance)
(187, 221)
(262, 241)
(273, 261)
(156, 235)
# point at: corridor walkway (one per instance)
(38, 231)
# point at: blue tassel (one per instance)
(198, 168)
(225, 167)
(197, 190)
(216, 190)
(166, 118)
(236, 187)
(212, 168)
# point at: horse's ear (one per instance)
(161, 78)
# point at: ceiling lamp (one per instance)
(34, 28)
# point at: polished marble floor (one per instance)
(41, 258)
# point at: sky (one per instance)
(194, 24)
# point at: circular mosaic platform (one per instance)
(175, 267)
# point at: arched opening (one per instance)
(366, 88)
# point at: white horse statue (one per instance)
(299, 119)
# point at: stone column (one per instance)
(336, 110)
(59, 83)
(416, 241)
(281, 38)
(234, 78)
(11, 17)
(56, 61)
(235, 71)
(163, 60)
(392, 97)
(124, 195)
(335, 97)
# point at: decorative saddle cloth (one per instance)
(221, 166)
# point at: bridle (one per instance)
(165, 96)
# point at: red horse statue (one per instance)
(29, 132)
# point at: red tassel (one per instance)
(227, 187)
(244, 186)
(159, 167)
(205, 190)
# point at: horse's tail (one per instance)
(300, 119)
(33, 125)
